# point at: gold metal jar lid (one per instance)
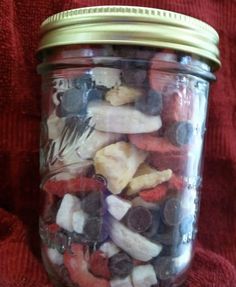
(130, 25)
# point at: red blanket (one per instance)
(214, 263)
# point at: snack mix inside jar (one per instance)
(124, 103)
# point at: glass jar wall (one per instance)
(121, 154)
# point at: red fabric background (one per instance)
(215, 260)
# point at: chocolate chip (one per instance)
(93, 203)
(150, 104)
(168, 235)
(173, 250)
(96, 94)
(180, 133)
(120, 265)
(72, 103)
(152, 230)
(134, 77)
(83, 82)
(139, 219)
(172, 213)
(95, 230)
(164, 267)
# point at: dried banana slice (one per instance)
(122, 95)
(147, 181)
(133, 243)
(122, 119)
(118, 163)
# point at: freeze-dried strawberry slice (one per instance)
(99, 265)
(77, 267)
(150, 142)
(155, 194)
(177, 105)
(75, 185)
(176, 183)
(53, 228)
(177, 163)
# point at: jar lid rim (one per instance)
(131, 25)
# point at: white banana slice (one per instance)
(147, 181)
(144, 276)
(117, 207)
(54, 256)
(109, 248)
(95, 141)
(78, 220)
(144, 169)
(125, 282)
(118, 163)
(69, 204)
(123, 119)
(134, 244)
(122, 95)
(108, 77)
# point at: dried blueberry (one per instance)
(83, 82)
(95, 230)
(120, 265)
(93, 203)
(172, 211)
(180, 133)
(164, 267)
(150, 104)
(72, 103)
(139, 219)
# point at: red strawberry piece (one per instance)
(77, 267)
(150, 142)
(99, 265)
(177, 163)
(137, 262)
(176, 183)
(177, 106)
(160, 80)
(53, 228)
(75, 185)
(155, 194)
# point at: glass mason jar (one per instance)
(124, 103)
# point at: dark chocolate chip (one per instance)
(95, 94)
(152, 230)
(173, 250)
(95, 230)
(172, 212)
(120, 265)
(180, 133)
(83, 82)
(150, 104)
(139, 219)
(93, 203)
(167, 235)
(134, 77)
(164, 267)
(72, 103)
